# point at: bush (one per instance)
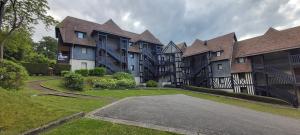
(12, 75)
(105, 83)
(73, 81)
(238, 95)
(125, 84)
(98, 71)
(151, 83)
(63, 73)
(83, 72)
(36, 68)
(61, 67)
(122, 75)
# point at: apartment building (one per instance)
(267, 65)
(85, 45)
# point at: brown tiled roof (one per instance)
(224, 43)
(69, 25)
(134, 49)
(196, 48)
(272, 41)
(239, 67)
(182, 46)
(146, 36)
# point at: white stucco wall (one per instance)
(76, 64)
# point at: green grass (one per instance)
(119, 94)
(97, 127)
(23, 110)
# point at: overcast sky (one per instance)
(182, 20)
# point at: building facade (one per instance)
(267, 65)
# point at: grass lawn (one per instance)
(119, 94)
(97, 127)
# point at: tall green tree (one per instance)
(18, 46)
(16, 14)
(47, 46)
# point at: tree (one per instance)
(18, 46)
(16, 14)
(47, 46)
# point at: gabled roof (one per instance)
(148, 37)
(272, 41)
(220, 43)
(197, 47)
(172, 45)
(69, 25)
(182, 46)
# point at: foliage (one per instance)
(98, 71)
(73, 81)
(238, 95)
(122, 75)
(39, 58)
(83, 72)
(125, 84)
(63, 73)
(18, 46)
(36, 68)
(12, 75)
(47, 47)
(61, 67)
(151, 83)
(105, 83)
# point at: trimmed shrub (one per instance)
(122, 75)
(12, 75)
(125, 83)
(151, 83)
(83, 72)
(105, 83)
(63, 73)
(36, 68)
(73, 81)
(238, 95)
(98, 71)
(61, 67)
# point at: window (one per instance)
(131, 55)
(83, 65)
(132, 67)
(83, 50)
(221, 80)
(80, 35)
(244, 90)
(241, 60)
(242, 76)
(218, 53)
(130, 43)
(220, 67)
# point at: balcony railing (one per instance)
(295, 59)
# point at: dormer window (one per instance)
(80, 35)
(241, 60)
(219, 53)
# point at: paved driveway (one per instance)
(189, 115)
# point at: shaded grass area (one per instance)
(22, 110)
(39, 78)
(86, 126)
(119, 94)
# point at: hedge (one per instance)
(151, 83)
(61, 67)
(73, 81)
(36, 68)
(97, 71)
(238, 95)
(83, 72)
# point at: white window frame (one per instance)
(219, 53)
(220, 67)
(80, 35)
(132, 67)
(83, 65)
(131, 55)
(83, 50)
(241, 60)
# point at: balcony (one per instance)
(295, 59)
(62, 58)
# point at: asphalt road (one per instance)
(199, 116)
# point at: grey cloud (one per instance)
(181, 20)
